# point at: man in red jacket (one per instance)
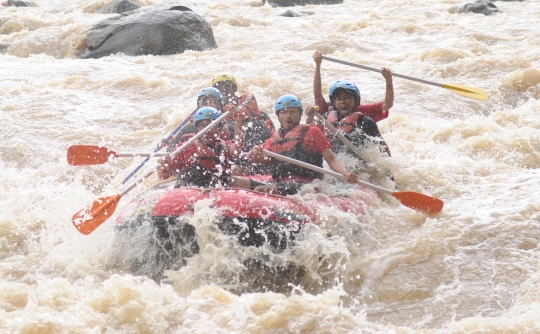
(303, 142)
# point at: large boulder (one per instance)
(119, 6)
(291, 3)
(163, 29)
(478, 7)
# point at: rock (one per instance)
(478, 7)
(292, 13)
(18, 3)
(163, 29)
(291, 3)
(119, 6)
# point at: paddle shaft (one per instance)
(342, 137)
(324, 171)
(159, 147)
(180, 149)
(127, 155)
(380, 71)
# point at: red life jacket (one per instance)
(291, 145)
(345, 125)
(209, 168)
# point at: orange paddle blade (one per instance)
(419, 202)
(78, 155)
(87, 220)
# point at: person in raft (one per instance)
(208, 97)
(356, 121)
(302, 142)
(257, 125)
(207, 161)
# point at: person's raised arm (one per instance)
(389, 95)
(337, 166)
(317, 86)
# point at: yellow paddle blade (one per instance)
(475, 93)
(87, 220)
(419, 202)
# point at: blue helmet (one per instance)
(344, 84)
(287, 101)
(212, 92)
(206, 113)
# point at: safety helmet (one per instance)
(287, 101)
(344, 84)
(211, 92)
(224, 77)
(206, 113)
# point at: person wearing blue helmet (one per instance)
(207, 162)
(208, 97)
(258, 125)
(348, 115)
(376, 111)
(303, 142)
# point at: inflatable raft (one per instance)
(253, 219)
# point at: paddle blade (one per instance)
(475, 93)
(87, 220)
(419, 202)
(80, 155)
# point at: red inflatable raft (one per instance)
(252, 218)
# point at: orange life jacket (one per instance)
(345, 125)
(210, 168)
(291, 145)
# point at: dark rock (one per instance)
(19, 3)
(163, 29)
(291, 3)
(292, 13)
(478, 7)
(119, 6)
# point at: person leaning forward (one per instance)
(207, 161)
(303, 142)
(258, 126)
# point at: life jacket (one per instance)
(291, 145)
(347, 126)
(250, 107)
(258, 126)
(210, 168)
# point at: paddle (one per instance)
(475, 93)
(350, 145)
(90, 218)
(166, 140)
(410, 199)
(81, 155)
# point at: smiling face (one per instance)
(289, 117)
(344, 102)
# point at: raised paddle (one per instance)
(410, 199)
(81, 155)
(159, 147)
(88, 219)
(475, 93)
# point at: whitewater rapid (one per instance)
(472, 268)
